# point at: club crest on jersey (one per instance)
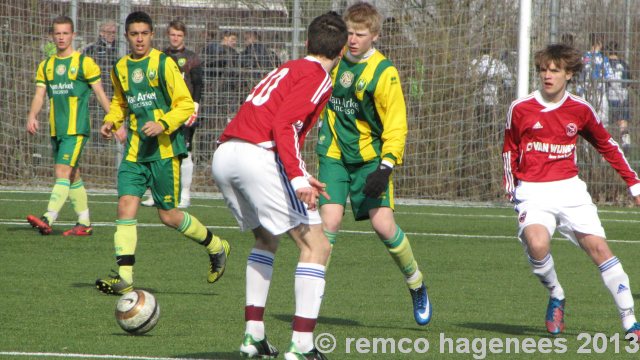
(572, 129)
(73, 70)
(361, 84)
(61, 69)
(137, 76)
(346, 79)
(182, 61)
(522, 217)
(152, 73)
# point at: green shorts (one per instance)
(67, 149)
(162, 177)
(348, 180)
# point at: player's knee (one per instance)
(169, 217)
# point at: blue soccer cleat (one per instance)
(421, 305)
(634, 331)
(555, 316)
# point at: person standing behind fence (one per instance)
(191, 68)
(362, 137)
(149, 90)
(618, 93)
(221, 71)
(67, 78)
(105, 52)
(541, 179)
(593, 79)
(256, 57)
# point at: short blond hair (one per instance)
(365, 15)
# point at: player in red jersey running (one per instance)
(259, 170)
(541, 178)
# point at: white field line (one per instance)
(88, 356)
(400, 212)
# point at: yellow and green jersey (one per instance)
(150, 89)
(366, 117)
(68, 82)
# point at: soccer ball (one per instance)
(137, 312)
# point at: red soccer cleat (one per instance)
(79, 230)
(42, 224)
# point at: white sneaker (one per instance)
(184, 203)
(148, 202)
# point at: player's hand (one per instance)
(152, 129)
(33, 125)
(309, 196)
(320, 187)
(377, 181)
(121, 134)
(106, 130)
(194, 117)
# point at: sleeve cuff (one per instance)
(387, 163)
(634, 190)
(299, 182)
(164, 124)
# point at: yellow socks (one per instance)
(125, 241)
(59, 195)
(194, 230)
(79, 202)
(400, 250)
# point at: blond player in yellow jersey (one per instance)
(361, 139)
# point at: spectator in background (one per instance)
(618, 93)
(495, 80)
(256, 55)
(221, 71)
(592, 85)
(105, 52)
(494, 84)
(190, 68)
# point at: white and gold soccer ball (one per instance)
(137, 312)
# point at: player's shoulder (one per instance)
(577, 103)
(524, 102)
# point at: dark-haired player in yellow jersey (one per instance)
(150, 91)
(361, 139)
(67, 78)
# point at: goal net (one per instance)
(457, 62)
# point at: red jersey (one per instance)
(281, 110)
(540, 140)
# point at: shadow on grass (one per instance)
(510, 329)
(288, 318)
(29, 229)
(212, 355)
(151, 290)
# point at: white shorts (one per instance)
(564, 205)
(256, 189)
